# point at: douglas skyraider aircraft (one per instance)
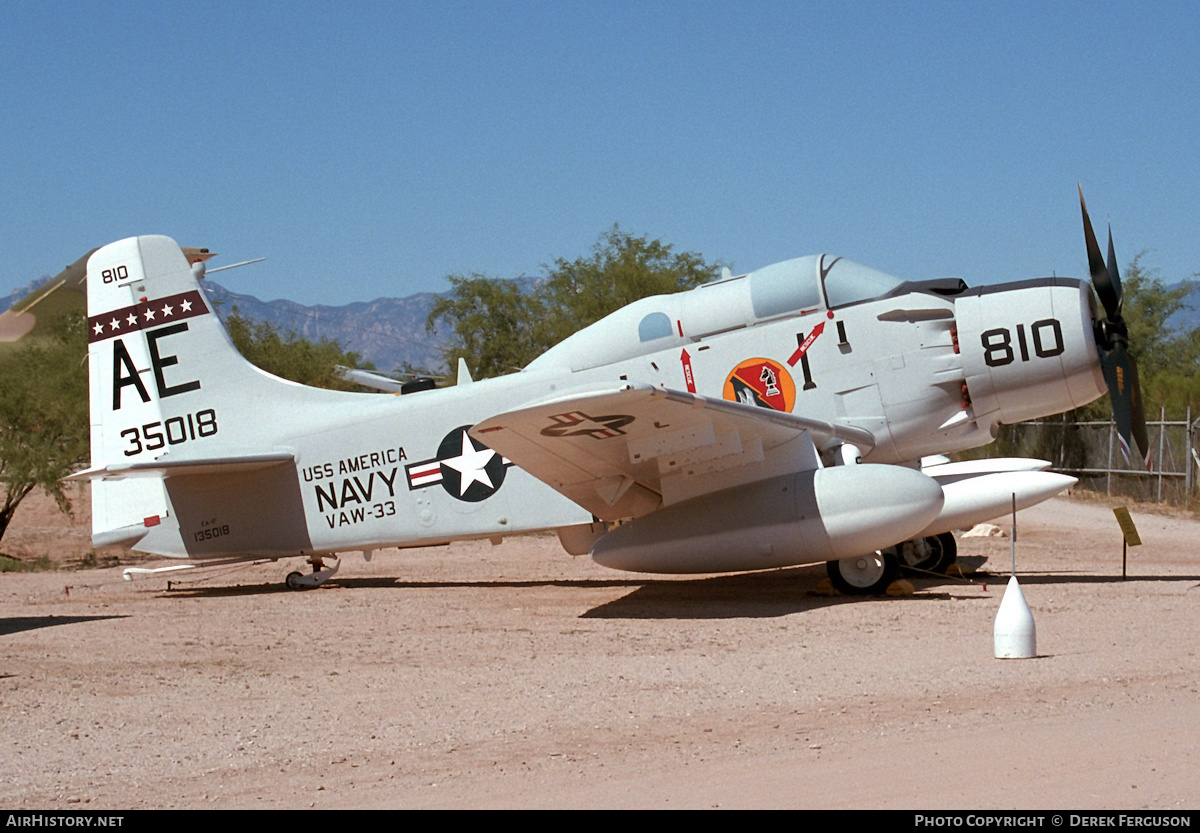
(783, 417)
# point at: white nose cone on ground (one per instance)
(1014, 633)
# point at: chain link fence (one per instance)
(1091, 451)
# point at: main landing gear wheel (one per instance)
(933, 554)
(863, 575)
(298, 581)
(949, 552)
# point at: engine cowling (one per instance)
(1028, 348)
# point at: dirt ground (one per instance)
(517, 676)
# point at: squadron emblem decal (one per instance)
(466, 468)
(763, 383)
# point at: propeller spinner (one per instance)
(1112, 335)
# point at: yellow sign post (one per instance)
(1129, 534)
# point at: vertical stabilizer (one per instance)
(172, 404)
(144, 307)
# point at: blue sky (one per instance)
(371, 149)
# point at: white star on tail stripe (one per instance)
(470, 464)
(145, 314)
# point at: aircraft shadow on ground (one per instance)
(745, 595)
(16, 624)
(1069, 577)
(769, 593)
(190, 590)
(774, 594)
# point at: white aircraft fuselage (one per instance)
(774, 418)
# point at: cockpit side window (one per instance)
(654, 326)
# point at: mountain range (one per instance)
(388, 332)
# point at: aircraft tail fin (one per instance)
(170, 395)
(145, 310)
(166, 380)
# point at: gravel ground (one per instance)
(516, 676)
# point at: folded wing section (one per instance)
(624, 451)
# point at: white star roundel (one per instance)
(466, 468)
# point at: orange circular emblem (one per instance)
(761, 382)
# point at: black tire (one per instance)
(949, 552)
(863, 575)
(933, 554)
(293, 581)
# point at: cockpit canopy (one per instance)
(815, 282)
(793, 287)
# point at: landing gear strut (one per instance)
(298, 581)
(863, 575)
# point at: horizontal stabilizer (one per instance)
(163, 467)
(368, 379)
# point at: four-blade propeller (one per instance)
(1120, 371)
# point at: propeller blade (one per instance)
(1110, 296)
(1113, 274)
(1139, 416)
(1116, 375)
(1120, 373)
(1112, 335)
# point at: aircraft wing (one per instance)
(623, 451)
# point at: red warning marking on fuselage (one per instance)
(803, 348)
(689, 378)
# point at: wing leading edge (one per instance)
(625, 451)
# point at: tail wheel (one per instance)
(863, 575)
(320, 574)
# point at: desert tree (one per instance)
(43, 414)
(501, 324)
